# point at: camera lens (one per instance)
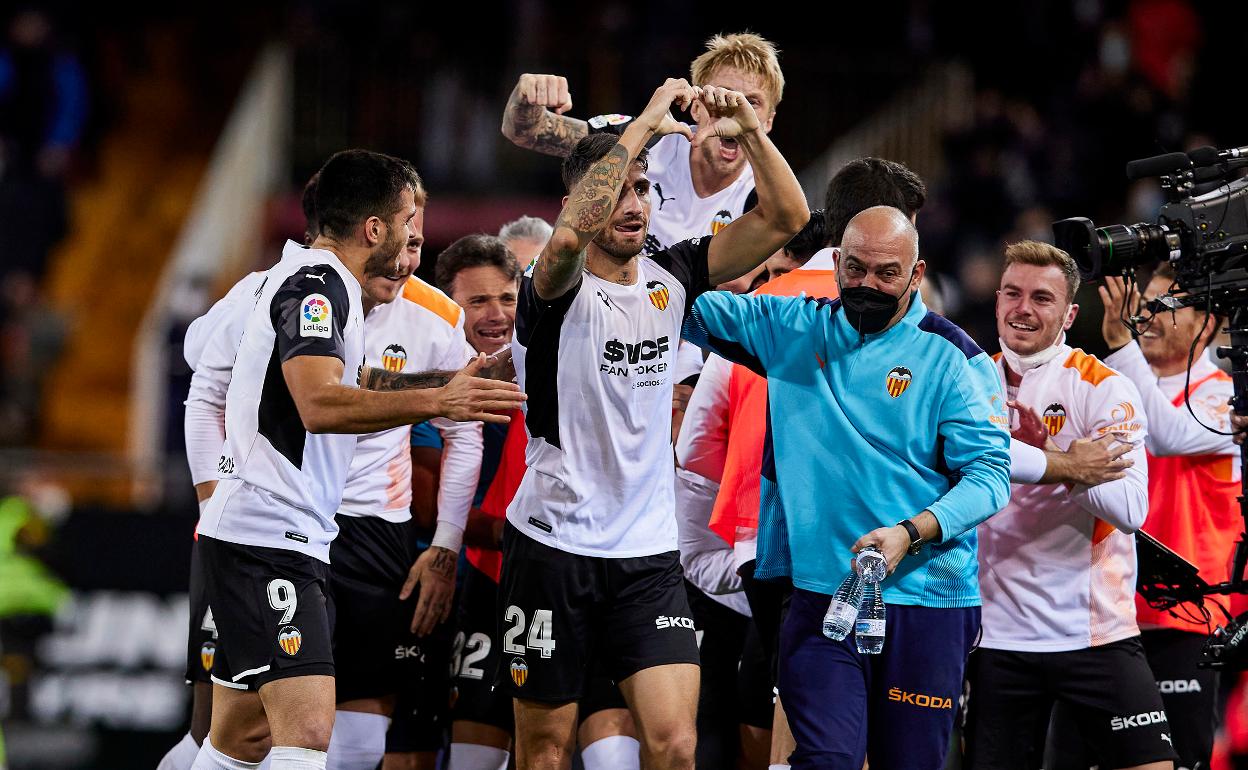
(1100, 251)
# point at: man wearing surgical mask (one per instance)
(900, 413)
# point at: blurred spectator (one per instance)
(43, 106)
(32, 335)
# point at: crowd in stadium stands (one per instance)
(43, 111)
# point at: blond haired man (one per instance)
(1058, 565)
(697, 191)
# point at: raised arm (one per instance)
(534, 116)
(781, 209)
(593, 199)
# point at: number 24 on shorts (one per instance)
(541, 632)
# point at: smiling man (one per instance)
(291, 411)
(892, 407)
(1193, 486)
(590, 562)
(1057, 566)
(697, 190)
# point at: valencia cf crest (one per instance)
(290, 640)
(207, 654)
(394, 358)
(898, 380)
(659, 295)
(1054, 418)
(519, 671)
(720, 221)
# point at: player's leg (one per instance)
(823, 685)
(664, 700)
(239, 730)
(721, 638)
(545, 596)
(768, 601)
(783, 744)
(915, 685)
(607, 735)
(1189, 693)
(273, 617)
(482, 717)
(201, 649)
(646, 633)
(755, 701)
(374, 649)
(1116, 704)
(419, 731)
(479, 746)
(545, 734)
(608, 740)
(1007, 709)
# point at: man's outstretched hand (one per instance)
(472, 396)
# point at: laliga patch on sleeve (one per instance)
(316, 317)
(608, 122)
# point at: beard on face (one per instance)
(382, 259)
(614, 246)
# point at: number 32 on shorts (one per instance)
(541, 632)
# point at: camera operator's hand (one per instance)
(1120, 300)
(1239, 424)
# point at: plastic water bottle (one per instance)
(870, 625)
(838, 621)
(869, 565)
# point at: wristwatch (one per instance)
(916, 540)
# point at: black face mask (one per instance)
(869, 310)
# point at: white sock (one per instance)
(615, 752)
(358, 741)
(295, 758)
(181, 756)
(779, 767)
(470, 756)
(209, 758)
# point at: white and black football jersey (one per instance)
(280, 485)
(676, 211)
(598, 364)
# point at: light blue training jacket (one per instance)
(864, 432)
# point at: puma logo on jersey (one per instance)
(320, 277)
(658, 188)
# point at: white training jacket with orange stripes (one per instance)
(1057, 564)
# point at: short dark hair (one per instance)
(808, 240)
(354, 185)
(867, 182)
(313, 227)
(586, 153)
(477, 250)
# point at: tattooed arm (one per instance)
(496, 367)
(534, 116)
(592, 200)
(372, 378)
